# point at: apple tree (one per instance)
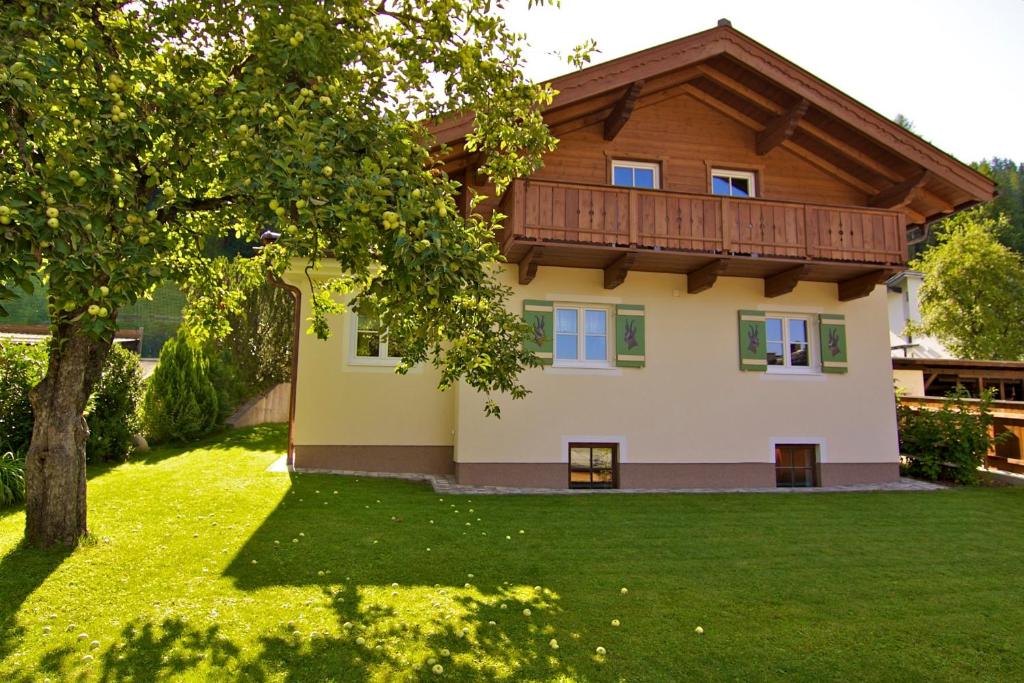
(132, 134)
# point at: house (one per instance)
(904, 291)
(703, 258)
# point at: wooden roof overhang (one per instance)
(784, 104)
(962, 366)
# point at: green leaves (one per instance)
(158, 126)
(972, 298)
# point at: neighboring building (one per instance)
(149, 322)
(903, 291)
(702, 260)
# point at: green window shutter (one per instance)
(832, 340)
(630, 336)
(753, 347)
(540, 316)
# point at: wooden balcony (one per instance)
(704, 236)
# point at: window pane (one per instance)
(596, 322)
(773, 329)
(776, 354)
(566, 320)
(798, 355)
(740, 187)
(622, 175)
(783, 457)
(394, 349)
(720, 185)
(367, 323)
(565, 346)
(798, 331)
(643, 177)
(602, 474)
(596, 347)
(368, 344)
(579, 466)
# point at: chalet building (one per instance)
(702, 261)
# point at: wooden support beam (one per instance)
(622, 110)
(704, 277)
(862, 285)
(781, 128)
(899, 195)
(615, 273)
(935, 200)
(715, 103)
(528, 266)
(743, 91)
(784, 281)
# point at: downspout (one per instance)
(296, 295)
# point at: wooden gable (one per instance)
(757, 108)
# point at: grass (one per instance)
(202, 566)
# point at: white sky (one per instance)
(954, 67)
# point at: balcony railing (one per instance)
(570, 213)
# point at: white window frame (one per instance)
(813, 366)
(749, 176)
(624, 163)
(355, 359)
(581, 336)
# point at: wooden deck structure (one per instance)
(1009, 419)
(704, 236)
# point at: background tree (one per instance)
(1009, 178)
(133, 133)
(972, 298)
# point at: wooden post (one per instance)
(634, 218)
(724, 216)
(810, 243)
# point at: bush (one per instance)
(953, 439)
(181, 401)
(260, 341)
(12, 479)
(21, 368)
(112, 413)
(231, 390)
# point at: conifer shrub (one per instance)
(112, 413)
(181, 402)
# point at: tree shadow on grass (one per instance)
(389, 609)
(262, 438)
(22, 571)
(146, 650)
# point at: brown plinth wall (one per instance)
(746, 475)
(848, 473)
(397, 459)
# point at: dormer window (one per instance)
(732, 183)
(640, 174)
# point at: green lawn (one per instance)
(202, 566)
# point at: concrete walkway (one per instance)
(446, 484)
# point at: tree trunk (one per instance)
(55, 466)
